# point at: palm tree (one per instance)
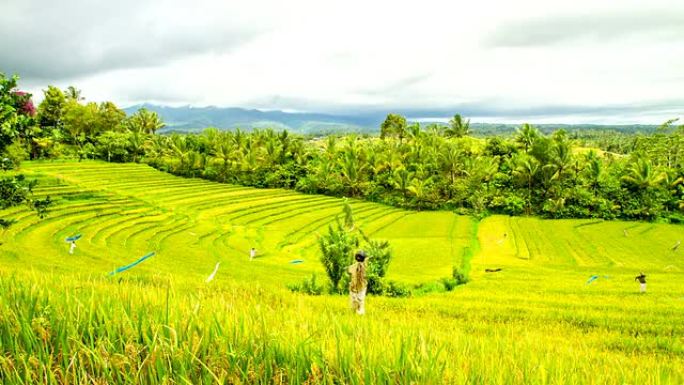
(181, 149)
(156, 148)
(285, 142)
(561, 158)
(416, 153)
(420, 188)
(435, 130)
(239, 139)
(450, 161)
(136, 145)
(480, 169)
(458, 127)
(642, 175)
(526, 135)
(326, 175)
(272, 148)
(73, 93)
(392, 156)
(146, 121)
(414, 132)
(298, 152)
(352, 164)
(210, 137)
(222, 150)
(527, 168)
(330, 146)
(250, 159)
(594, 170)
(402, 179)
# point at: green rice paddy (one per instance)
(62, 320)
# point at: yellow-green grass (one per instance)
(62, 320)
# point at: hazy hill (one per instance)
(188, 119)
(197, 118)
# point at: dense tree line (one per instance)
(407, 166)
(433, 167)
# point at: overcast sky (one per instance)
(541, 61)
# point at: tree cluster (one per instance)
(530, 173)
(16, 119)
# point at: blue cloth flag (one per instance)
(124, 268)
(592, 279)
(73, 238)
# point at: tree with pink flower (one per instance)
(16, 120)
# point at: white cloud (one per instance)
(382, 55)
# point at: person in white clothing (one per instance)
(642, 281)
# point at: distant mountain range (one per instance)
(196, 119)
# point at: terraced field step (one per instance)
(123, 209)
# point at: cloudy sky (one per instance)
(541, 61)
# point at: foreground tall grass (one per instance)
(77, 329)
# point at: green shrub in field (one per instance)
(449, 283)
(514, 205)
(460, 276)
(439, 286)
(337, 247)
(380, 254)
(395, 289)
(13, 155)
(16, 190)
(307, 286)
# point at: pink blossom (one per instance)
(24, 103)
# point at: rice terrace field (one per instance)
(63, 320)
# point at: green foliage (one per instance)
(527, 135)
(337, 248)
(17, 190)
(16, 110)
(113, 146)
(13, 155)
(348, 216)
(533, 174)
(89, 120)
(340, 244)
(379, 254)
(460, 276)
(393, 126)
(458, 127)
(308, 286)
(145, 121)
(395, 289)
(451, 283)
(15, 122)
(51, 109)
